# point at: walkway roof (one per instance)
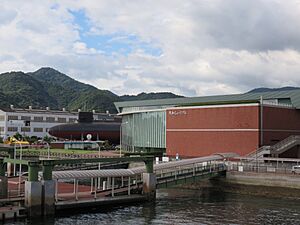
(292, 95)
(138, 170)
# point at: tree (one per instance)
(18, 136)
(33, 139)
(47, 139)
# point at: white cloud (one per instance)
(208, 47)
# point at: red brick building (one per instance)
(203, 126)
(242, 128)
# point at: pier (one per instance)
(46, 190)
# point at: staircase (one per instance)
(285, 144)
(276, 149)
(260, 152)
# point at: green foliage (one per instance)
(48, 87)
(48, 139)
(31, 140)
(18, 136)
(149, 96)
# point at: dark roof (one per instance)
(293, 95)
(27, 110)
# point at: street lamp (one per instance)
(121, 137)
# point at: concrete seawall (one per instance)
(258, 184)
(264, 179)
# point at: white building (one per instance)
(34, 122)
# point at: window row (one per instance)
(25, 129)
(40, 119)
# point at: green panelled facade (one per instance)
(144, 131)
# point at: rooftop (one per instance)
(291, 97)
(46, 111)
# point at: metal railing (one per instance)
(259, 152)
(284, 143)
(274, 149)
(258, 167)
(95, 188)
(173, 176)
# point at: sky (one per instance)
(191, 47)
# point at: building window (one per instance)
(12, 118)
(38, 119)
(1, 129)
(27, 118)
(25, 129)
(2, 118)
(37, 129)
(72, 120)
(61, 120)
(12, 129)
(27, 123)
(50, 119)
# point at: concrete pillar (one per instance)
(48, 197)
(108, 183)
(10, 166)
(3, 180)
(33, 198)
(10, 169)
(149, 185)
(3, 187)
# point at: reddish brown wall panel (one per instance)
(240, 130)
(222, 117)
(191, 144)
(279, 123)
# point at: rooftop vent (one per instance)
(94, 111)
(107, 112)
(79, 110)
(47, 108)
(30, 107)
(12, 106)
(63, 109)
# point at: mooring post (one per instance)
(149, 180)
(3, 180)
(48, 196)
(33, 190)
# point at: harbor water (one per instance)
(182, 206)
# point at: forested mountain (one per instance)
(263, 89)
(48, 87)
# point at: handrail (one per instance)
(259, 150)
(275, 147)
(285, 141)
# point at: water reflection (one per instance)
(176, 206)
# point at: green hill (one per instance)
(49, 87)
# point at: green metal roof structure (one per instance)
(290, 97)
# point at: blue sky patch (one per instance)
(109, 44)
